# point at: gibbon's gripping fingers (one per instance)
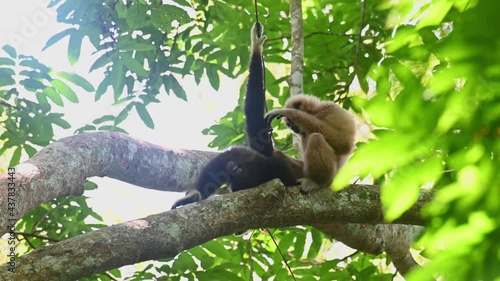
(257, 40)
(307, 185)
(320, 163)
(270, 117)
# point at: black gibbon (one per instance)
(245, 167)
(327, 137)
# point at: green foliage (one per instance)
(255, 256)
(438, 92)
(28, 90)
(427, 75)
(57, 220)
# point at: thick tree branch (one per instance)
(61, 168)
(165, 235)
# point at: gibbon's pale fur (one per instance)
(327, 137)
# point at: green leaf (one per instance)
(65, 90)
(401, 191)
(217, 248)
(90, 185)
(86, 128)
(34, 64)
(6, 78)
(102, 88)
(117, 77)
(144, 114)
(32, 85)
(124, 113)
(10, 51)
(177, 89)
(74, 47)
(184, 262)
(121, 10)
(213, 76)
(56, 118)
(53, 95)
(42, 98)
(380, 156)
(16, 157)
(136, 15)
(77, 80)
(435, 14)
(30, 150)
(57, 37)
(102, 61)
(134, 65)
(103, 119)
(7, 61)
(184, 3)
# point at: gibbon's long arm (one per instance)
(303, 122)
(258, 131)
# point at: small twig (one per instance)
(329, 34)
(281, 253)
(10, 105)
(47, 215)
(358, 46)
(313, 34)
(26, 235)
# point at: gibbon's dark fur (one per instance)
(246, 167)
(327, 133)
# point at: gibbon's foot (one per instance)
(191, 197)
(307, 185)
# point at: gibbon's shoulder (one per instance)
(319, 108)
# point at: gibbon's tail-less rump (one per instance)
(327, 136)
(247, 167)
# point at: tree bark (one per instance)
(165, 235)
(296, 79)
(61, 168)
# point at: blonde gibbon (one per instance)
(327, 137)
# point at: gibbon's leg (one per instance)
(320, 163)
(258, 131)
(295, 165)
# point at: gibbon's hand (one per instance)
(275, 114)
(257, 37)
(271, 115)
